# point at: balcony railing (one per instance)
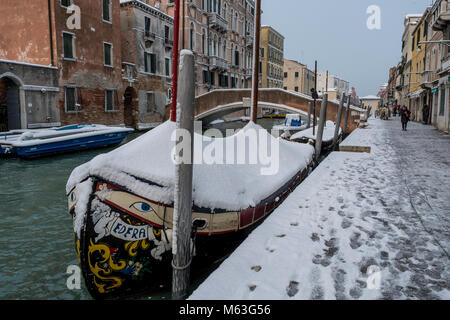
(440, 14)
(217, 22)
(168, 42)
(149, 35)
(218, 63)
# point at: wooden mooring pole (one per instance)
(308, 124)
(338, 122)
(182, 217)
(347, 115)
(315, 99)
(322, 122)
(256, 55)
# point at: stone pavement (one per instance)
(362, 226)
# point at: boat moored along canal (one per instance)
(122, 205)
(45, 142)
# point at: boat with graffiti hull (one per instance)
(122, 202)
(44, 142)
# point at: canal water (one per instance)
(36, 233)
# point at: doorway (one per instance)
(9, 105)
(130, 109)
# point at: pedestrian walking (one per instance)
(426, 113)
(405, 115)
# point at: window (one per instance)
(205, 76)
(150, 62)
(296, 89)
(107, 10)
(68, 45)
(236, 58)
(167, 66)
(71, 99)
(107, 52)
(166, 33)
(296, 74)
(148, 24)
(204, 42)
(66, 3)
(285, 74)
(110, 100)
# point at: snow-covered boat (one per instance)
(44, 142)
(327, 139)
(292, 124)
(122, 203)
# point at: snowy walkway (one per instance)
(389, 209)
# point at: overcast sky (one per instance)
(335, 33)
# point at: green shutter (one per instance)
(153, 63)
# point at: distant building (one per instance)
(417, 95)
(439, 22)
(297, 77)
(220, 34)
(371, 101)
(335, 85)
(272, 58)
(410, 23)
(147, 43)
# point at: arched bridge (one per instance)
(221, 102)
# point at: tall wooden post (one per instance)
(176, 36)
(182, 217)
(308, 124)
(338, 122)
(315, 101)
(347, 115)
(322, 122)
(256, 54)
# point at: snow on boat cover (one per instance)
(328, 133)
(216, 186)
(122, 202)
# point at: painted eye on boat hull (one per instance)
(142, 207)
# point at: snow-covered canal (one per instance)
(362, 226)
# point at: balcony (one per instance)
(440, 15)
(218, 23)
(428, 77)
(217, 63)
(149, 37)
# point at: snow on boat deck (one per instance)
(362, 226)
(328, 133)
(145, 167)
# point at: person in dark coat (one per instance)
(426, 113)
(405, 117)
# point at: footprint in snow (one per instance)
(292, 289)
